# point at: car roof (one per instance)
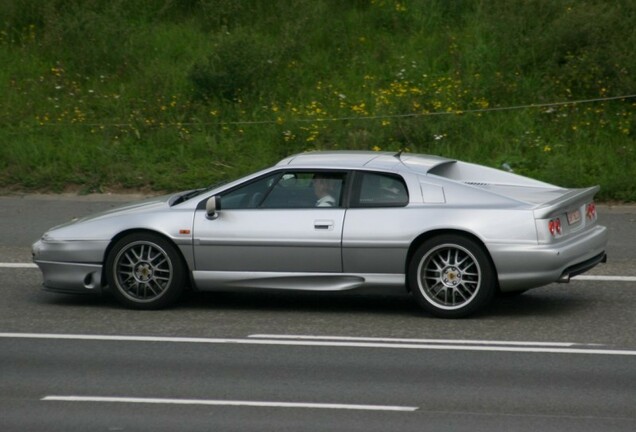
(364, 159)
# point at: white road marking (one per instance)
(425, 341)
(605, 278)
(328, 343)
(132, 400)
(18, 265)
(600, 278)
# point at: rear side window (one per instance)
(379, 190)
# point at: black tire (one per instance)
(145, 271)
(451, 276)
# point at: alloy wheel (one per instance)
(143, 271)
(449, 276)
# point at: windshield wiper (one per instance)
(186, 196)
(191, 194)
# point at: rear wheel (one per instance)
(451, 276)
(145, 271)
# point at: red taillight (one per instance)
(590, 211)
(555, 227)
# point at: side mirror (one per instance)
(212, 206)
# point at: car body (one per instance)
(451, 232)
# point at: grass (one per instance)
(165, 95)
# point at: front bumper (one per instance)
(71, 278)
(70, 266)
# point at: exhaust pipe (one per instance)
(565, 278)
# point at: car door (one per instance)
(273, 224)
(375, 239)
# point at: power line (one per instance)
(362, 118)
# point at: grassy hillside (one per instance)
(170, 94)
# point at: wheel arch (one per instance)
(125, 233)
(417, 242)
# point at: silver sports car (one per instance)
(452, 233)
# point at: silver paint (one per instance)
(343, 248)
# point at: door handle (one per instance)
(323, 225)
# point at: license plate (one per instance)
(574, 217)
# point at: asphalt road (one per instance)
(557, 358)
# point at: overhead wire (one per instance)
(363, 118)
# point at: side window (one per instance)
(306, 189)
(381, 190)
(301, 189)
(250, 195)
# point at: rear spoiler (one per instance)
(573, 198)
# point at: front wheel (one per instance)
(451, 276)
(145, 271)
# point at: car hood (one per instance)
(150, 204)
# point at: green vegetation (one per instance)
(169, 94)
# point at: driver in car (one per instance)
(323, 186)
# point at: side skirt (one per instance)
(218, 280)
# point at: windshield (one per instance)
(188, 195)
